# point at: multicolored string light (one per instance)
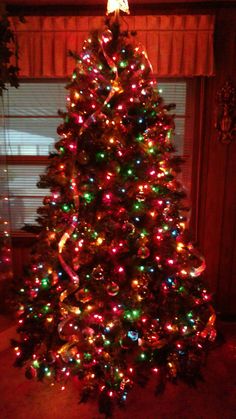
(114, 290)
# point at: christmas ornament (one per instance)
(83, 157)
(98, 273)
(112, 289)
(83, 295)
(143, 252)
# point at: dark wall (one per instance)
(217, 197)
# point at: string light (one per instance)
(113, 260)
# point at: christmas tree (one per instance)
(114, 291)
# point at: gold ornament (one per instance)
(68, 351)
(83, 296)
(117, 87)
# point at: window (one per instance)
(30, 130)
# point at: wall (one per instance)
(217, 194)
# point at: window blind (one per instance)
(31, 117)
(29, 132)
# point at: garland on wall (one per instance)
(9, 76)
(9, 72)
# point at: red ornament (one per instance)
(143, 252)
(112, 289)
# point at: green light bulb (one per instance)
(144, 233)
(123, 64)
(88, 197)
(137, 206)
(136, 314)
(100, 156)
(139, 137)
(66, 207)
(45, 282)
(36, 364)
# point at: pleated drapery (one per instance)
(177, 46)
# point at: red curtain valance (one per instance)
(177, 46)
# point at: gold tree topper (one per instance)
(116, 5)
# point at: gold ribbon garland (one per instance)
(195, 272)
(106, 37)
(74, 277)
(66, 308)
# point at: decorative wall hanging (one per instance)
(226, 113)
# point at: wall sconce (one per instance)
(226, 113)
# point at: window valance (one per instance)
(177, 46)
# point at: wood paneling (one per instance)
(217, 202)
(21, 255)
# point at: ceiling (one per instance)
(103, 2)
(98, 7)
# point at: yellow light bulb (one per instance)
(180, 247)
(76, 310)
(99, 241)
(49, 319)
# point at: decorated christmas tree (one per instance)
(114, 291)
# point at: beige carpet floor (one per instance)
(215, 398)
